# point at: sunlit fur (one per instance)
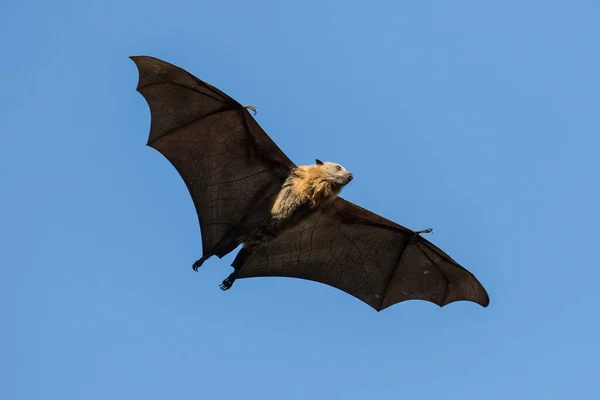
(315, 184)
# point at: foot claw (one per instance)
(198, 263)
(228, 282)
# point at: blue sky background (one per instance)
(479, 119)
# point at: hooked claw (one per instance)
(199, 263)
(428, 230)
(228, 282)
(252, 108)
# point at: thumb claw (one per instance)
(251, 108)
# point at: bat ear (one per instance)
(319, 162)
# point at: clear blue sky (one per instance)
(479, 119)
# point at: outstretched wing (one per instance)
(228, 163)
(366, 256)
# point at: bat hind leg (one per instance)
(221, 250)
(240, 259)
(199, 262)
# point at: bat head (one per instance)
(335, 173)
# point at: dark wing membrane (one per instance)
(366, 256)
(229, 164)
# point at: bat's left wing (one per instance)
(367, 256)
(229, 164)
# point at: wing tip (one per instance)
(137, 60)
(486, 301)
(139, 63)
(482, 298)
(148, 65)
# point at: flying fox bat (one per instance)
(289, 219)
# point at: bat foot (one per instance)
(228, 282)
(251, 108)
(199, 263)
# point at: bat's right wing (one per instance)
(367, 256)
(228, 163)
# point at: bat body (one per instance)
(307, 188)
(289, 218)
